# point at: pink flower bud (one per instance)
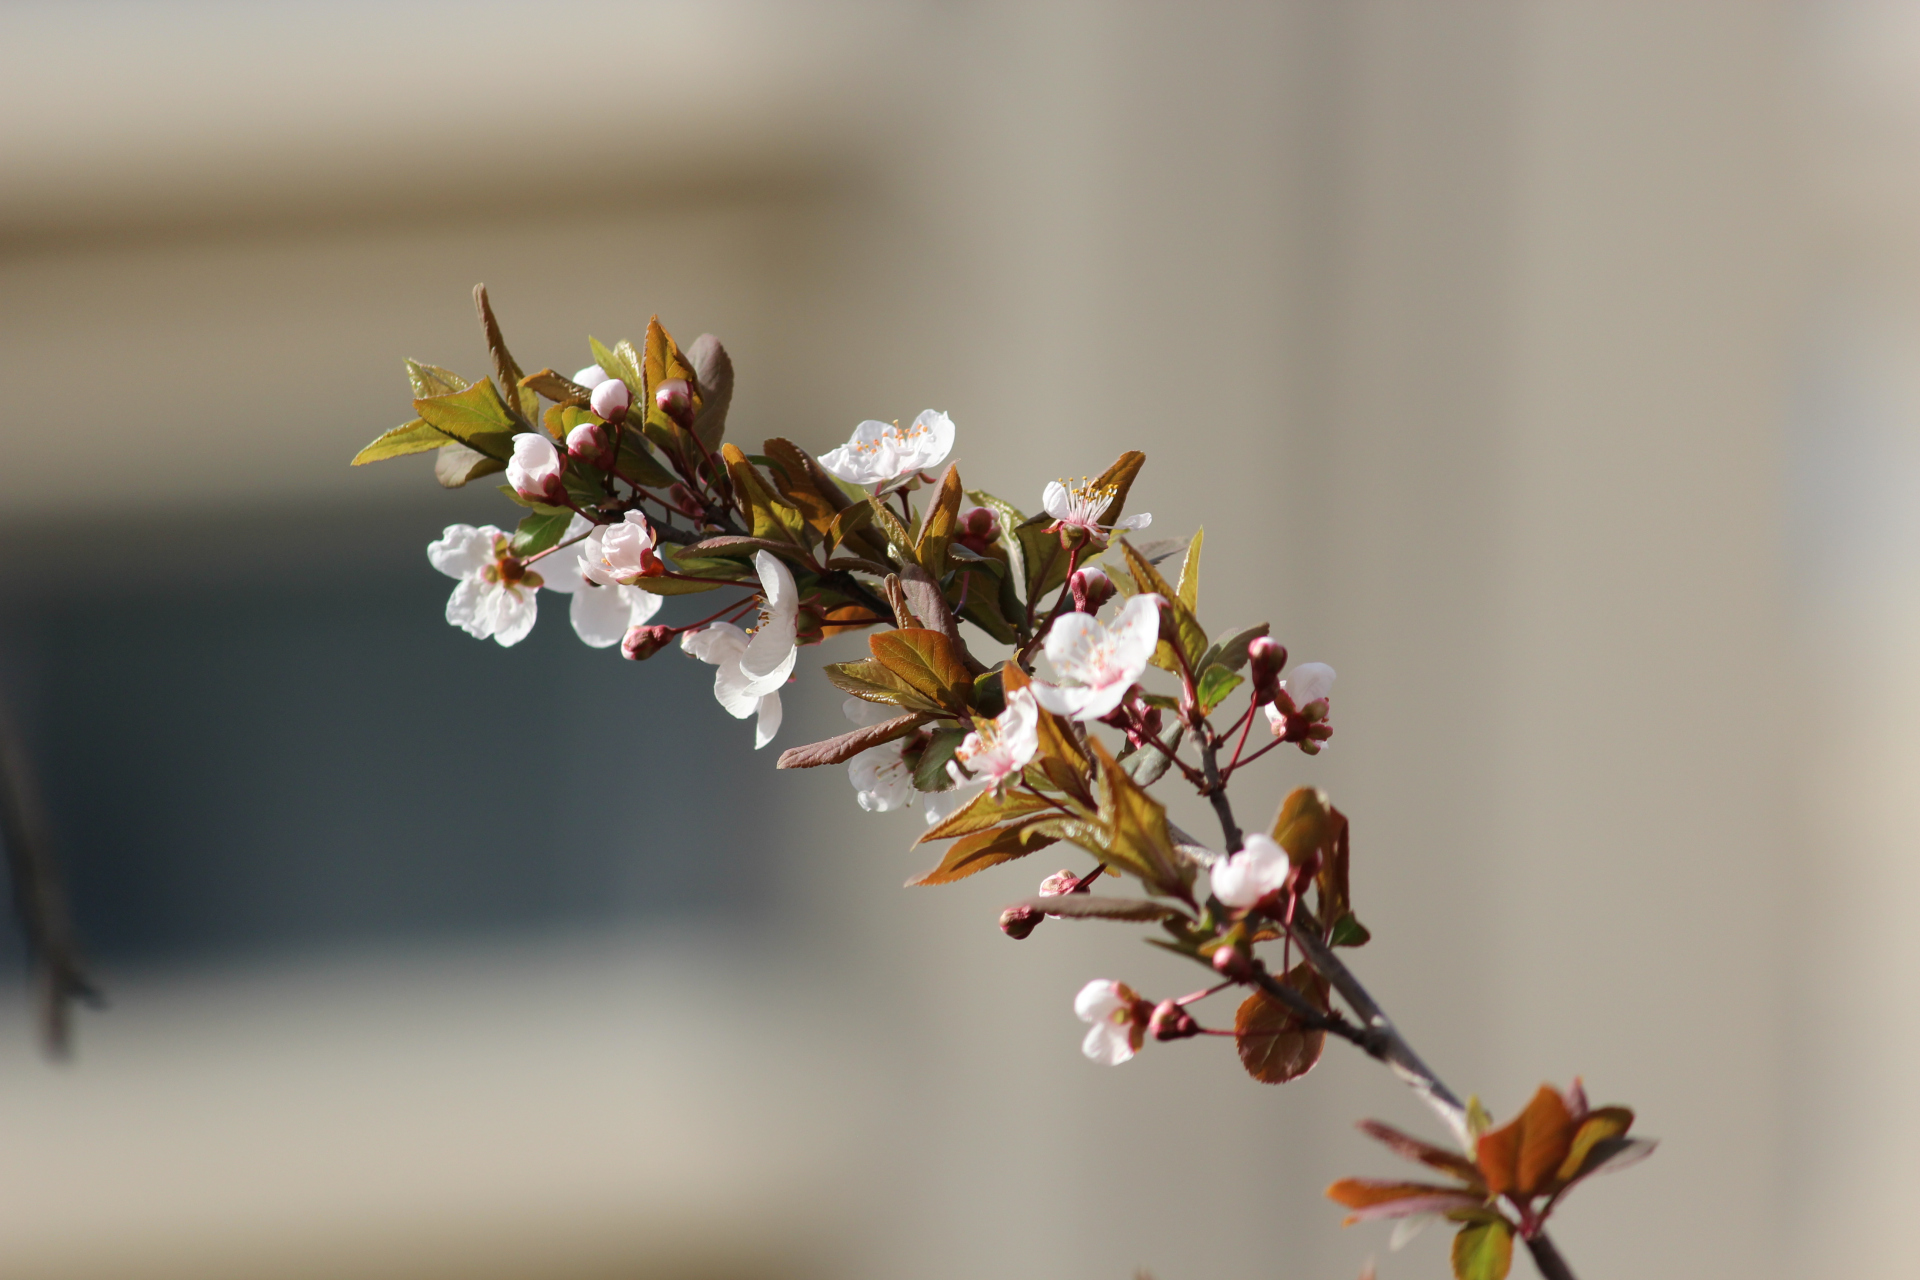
(1232, 962)
(536, 469)
(1265, 658)
(684, 501)
(590, 443)
(611, 399)
(1171, 1022)
(1058, 883)
(1018, 922)
(675, 399)
(1091, 588)
(642, 643)
(981, 523)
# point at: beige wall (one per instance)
(1469, 331)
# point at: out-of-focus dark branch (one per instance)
(38, 897)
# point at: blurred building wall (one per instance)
(1473, 333)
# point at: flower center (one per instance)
(894, 437)
(1086, 499)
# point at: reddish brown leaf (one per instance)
(927, 661)
(1412, 1148)
(977, 852)
(1274, 1046)
(983, 811)
(848, 745)
(1364, 1193)
(1520, 1158)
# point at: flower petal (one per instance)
(463, 607)
(514, 615)
(462, 549)
(599, 615)
(769, 722)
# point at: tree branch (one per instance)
(38, 897)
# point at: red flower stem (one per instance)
(736, 607)
(1194, 996)
(1250, 759)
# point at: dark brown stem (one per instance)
(1547, 1258)
(1217, 791)
(38, 898)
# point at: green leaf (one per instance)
(458, 464)
(927, 662)
(1137, 835)
(476, 417)
(989, 694)
(1193, 640)
(539, 531)
(896, 533)
(930, 774)
(1230, 650)
(431, 380)
(1011, 519)
(1349, 932)
(1483, 1251)
(1190, 572)
(872, 682)
(621, 362)
(1216, 682)
(1045, 560)
(409, 437)
(1150, 764)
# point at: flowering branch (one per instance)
(1003, 756)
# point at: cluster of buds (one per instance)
(1296, 707)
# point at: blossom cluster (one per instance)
(1084, 677)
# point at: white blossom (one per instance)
(1117, 1031)
(1242, 879)
(495, 595)
(881, 779)
(1000, 748)
(1080, 504)
(1102, 661)
(591, 376)
(536, 468)
(752, 668)
(601, 613)
(1306, 684)
(619, 555)
(884, 455)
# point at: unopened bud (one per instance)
(611, 400)
(537, 469)
(1058, 883)
(1091, 588)
(683, 500)
(981, 523)
(642, 643)
(1265, 659)
(1151, 721)
(1171, 1022)
(589, 443)
(1232, 962)
(675, 399)
(1018, 922)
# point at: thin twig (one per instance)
(1376, 1035)
(38, 898)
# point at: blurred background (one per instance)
(1551, 369)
